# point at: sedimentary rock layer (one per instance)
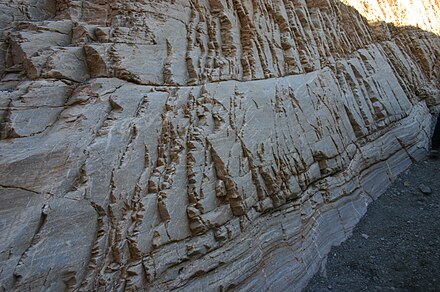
(160, 145)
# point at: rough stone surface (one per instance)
(401, 252)
(425, 189)
(201, 144)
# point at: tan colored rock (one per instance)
(421, 14)
(161, 145)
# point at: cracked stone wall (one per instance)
(202, 144)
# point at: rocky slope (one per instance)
(200, 144)
(392, 249)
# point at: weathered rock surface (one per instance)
(201, 144)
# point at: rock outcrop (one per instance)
(158, 145)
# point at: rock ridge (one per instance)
(160, 145)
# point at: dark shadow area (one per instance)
(436, 135)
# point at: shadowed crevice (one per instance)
(436, 135)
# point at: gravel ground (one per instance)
(396, 246)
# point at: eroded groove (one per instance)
(202, 144)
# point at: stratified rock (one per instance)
(194, 145)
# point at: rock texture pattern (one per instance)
(158, 145)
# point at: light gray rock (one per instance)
(161, 145)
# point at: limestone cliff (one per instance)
(202, 144)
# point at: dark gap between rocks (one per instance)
(436, 135)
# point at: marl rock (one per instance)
(159, 145)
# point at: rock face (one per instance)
(201, 144)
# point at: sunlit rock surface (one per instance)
(157, 145)
(423, 14)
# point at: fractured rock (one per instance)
(160, 145)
